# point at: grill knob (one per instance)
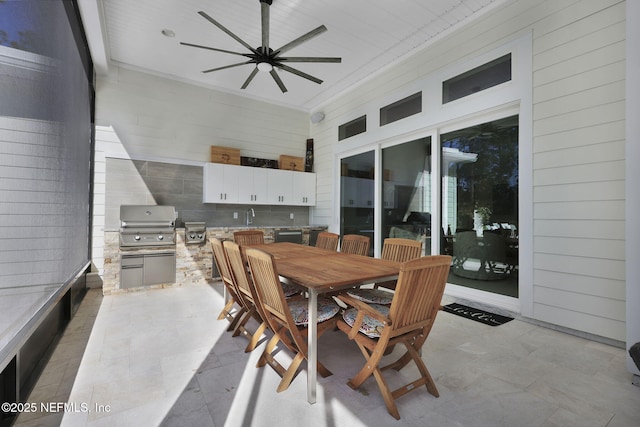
(192, 236)
(136, 237)
(160, 237)
(199, 236)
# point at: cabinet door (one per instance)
(304, 189)
(221, 183)
(245, 187)
(280, 187)
(259, 185)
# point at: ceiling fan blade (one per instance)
(276, 77)
(299, 73)
(223, 28)
(213, 48)
(264, 8)
(227, 66)
(308, 59)
(321, 29)
(251, 76)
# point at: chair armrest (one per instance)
(362, 306)
(363, 309)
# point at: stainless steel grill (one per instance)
(147, 226)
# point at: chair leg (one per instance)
(226, 311)
(425, 376)
(255, 338)
(387, 395)
(268, 349)
(236, 318)
(291, 372)
(240, 325)
(372, 362)
(424, 372)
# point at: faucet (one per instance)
(250, 215)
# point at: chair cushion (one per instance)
(370, 327)
(289, 290)
(327, 308)
(372, 296)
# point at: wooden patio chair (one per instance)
(393, 249)
(220, 259)
(245, 288)
(249, 237)
(408, 321)
(355, 244)
(286, 318)
(327, 240)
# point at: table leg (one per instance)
(312, 344)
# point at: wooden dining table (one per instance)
(319, 271)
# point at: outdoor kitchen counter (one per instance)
(194, 262)
(226, 233)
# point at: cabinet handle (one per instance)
(220, 196)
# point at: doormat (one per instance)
(476, 314)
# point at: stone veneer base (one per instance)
(194, 262)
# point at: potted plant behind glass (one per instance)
(481, 217)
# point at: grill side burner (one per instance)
(147, 226)
(195, 232)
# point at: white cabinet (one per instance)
(304, 188)
(257, 186)
(252, 186)
(280, 187)
(221, 183)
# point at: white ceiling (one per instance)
(367, 34)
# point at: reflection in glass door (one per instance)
(357, 191)
(406, 192)
(480, 205)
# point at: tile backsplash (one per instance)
(137, 182)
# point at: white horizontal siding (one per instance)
(582, 247)
(581, 321)
(37, 210)
(579, 170)
(578, 151)
(156, 117)
(588, 285)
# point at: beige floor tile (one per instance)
(160, 357)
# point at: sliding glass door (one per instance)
(478, 202)
(480, 205)
(357, 191)
(406, 192)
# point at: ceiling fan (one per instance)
(265, 58)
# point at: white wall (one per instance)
(574, 173)
(156, 117)
(633, 179)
